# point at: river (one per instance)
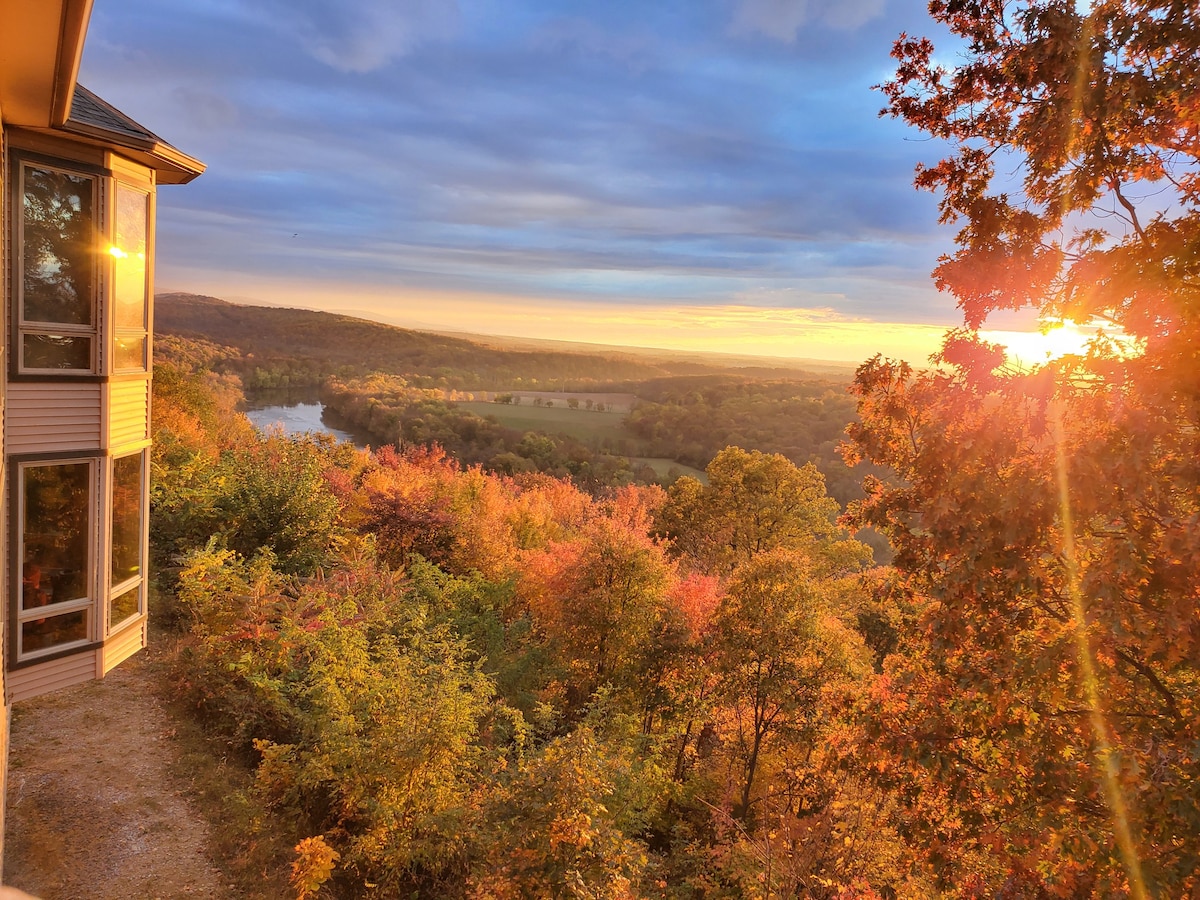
(297, 418)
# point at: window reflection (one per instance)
(41, 634)
(58, 239)
(129, 352)
(129, 252)
(123, 607)
(57, 499)
(127, 518)
(56, 351)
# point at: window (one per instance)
(61, 589)
(130, 319)
(56, 597)
(83, 289)
(57, 309)
(126, 581)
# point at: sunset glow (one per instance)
(732, 328)
(1056, 340)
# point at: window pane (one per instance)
(54, 630)
(124, 607)
(129, 352)
(127, 518)
(57, 351)
(129, 248)
(55, 534)
(59, 239)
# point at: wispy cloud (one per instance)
(783, 19)
(359, 35)
(624, 153)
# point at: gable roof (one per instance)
(95, 118)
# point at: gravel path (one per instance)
(93, 809)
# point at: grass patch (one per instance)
(584, 425)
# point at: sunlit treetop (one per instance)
(1077, 157)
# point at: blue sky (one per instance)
(709, 174)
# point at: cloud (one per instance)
(359, 36)
(622, 154)
(783, 19)
(631, 47)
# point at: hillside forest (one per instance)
(396, 386)
(450, 674)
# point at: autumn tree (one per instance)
(753, 502)
(782, 656)
(1040, 718)
(552, 829)
(604, 608)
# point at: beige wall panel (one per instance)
(123, 645)
(52, 676)
(128, 413)
(48, 418)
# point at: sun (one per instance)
(1053, 340)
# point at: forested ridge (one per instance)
(279, 347)
(452, 682)
(403, 386)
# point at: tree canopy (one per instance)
(1042, 709)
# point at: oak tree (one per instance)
(1040, 719)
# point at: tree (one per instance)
(753, 502)
(1094, 110)
(550, 831)
(781, 654)
(605, 609)
(276, 495)
(1041, 715)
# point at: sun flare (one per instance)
(1054, 340)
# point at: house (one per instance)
(78, 181)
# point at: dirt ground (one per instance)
(94, 810)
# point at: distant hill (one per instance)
(754, 366)
(310, 343)
(301, 346)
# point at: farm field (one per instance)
(612, 400)
(585, 425)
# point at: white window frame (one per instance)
(87, 603)
(35, 327)
(137, 581)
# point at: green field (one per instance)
(585, 425)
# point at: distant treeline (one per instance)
(691, 419)
(394, 384)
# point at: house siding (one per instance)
(128, 413)
(123, 645)
(53, 675)
(52, 418)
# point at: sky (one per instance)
(691, 174)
